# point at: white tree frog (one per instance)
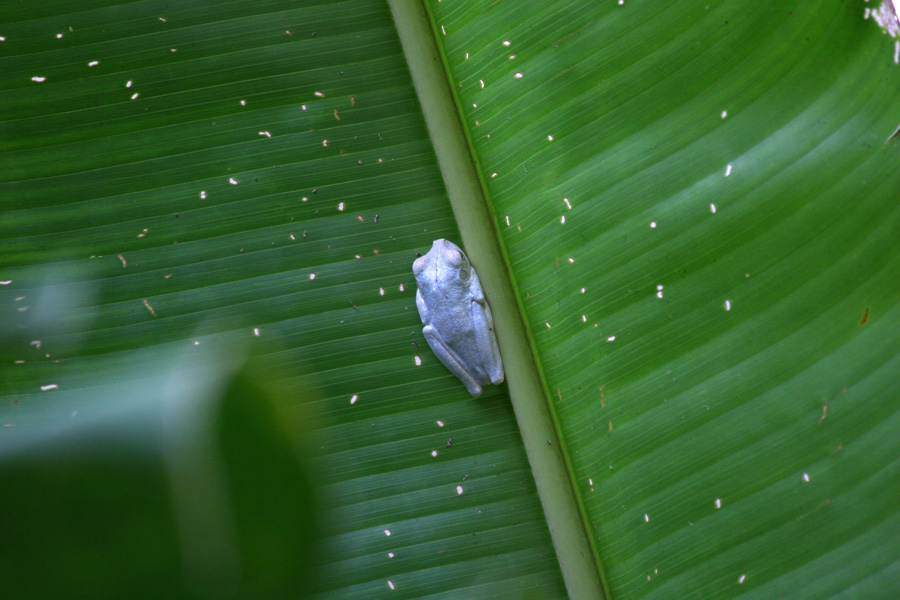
(458, 323)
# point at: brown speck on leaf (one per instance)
(865, 317)
(609, 431)
(602, 396)
(124, 262)
(150, 308)
(824, 413)
(352, 100)
(559, 393)
(822, 505)
(838, 449)
(337, 115)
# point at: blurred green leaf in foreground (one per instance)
(184, 484)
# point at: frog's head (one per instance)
(445, 265)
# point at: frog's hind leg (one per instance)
(486, 340)
(450, 359)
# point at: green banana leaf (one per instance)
(685, 219)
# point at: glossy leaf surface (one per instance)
(700, 209)
(255, 178)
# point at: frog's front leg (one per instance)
(422, 307)
(450, 359)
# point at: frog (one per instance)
(457, 320)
